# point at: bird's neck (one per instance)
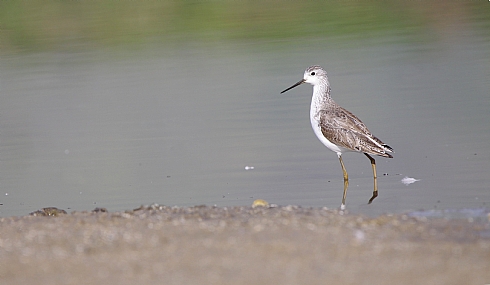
(321, 94)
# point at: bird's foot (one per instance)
(375, 194)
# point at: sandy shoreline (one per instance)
(241, 245)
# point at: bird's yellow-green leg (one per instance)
(373, 165)
(346, 183)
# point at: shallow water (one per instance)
(180, 126)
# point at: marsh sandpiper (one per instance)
(338, 129)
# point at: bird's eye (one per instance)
(312, 73)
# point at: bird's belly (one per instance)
(331, 146)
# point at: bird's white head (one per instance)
(316, 76)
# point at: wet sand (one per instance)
(241, 245)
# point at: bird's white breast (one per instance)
(315, 124)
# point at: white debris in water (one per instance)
(408, 180)
(249, 167)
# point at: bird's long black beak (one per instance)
(296, 84)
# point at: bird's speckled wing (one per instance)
(343, 128)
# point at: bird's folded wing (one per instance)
(343, 128)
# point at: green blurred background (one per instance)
(39, 25)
